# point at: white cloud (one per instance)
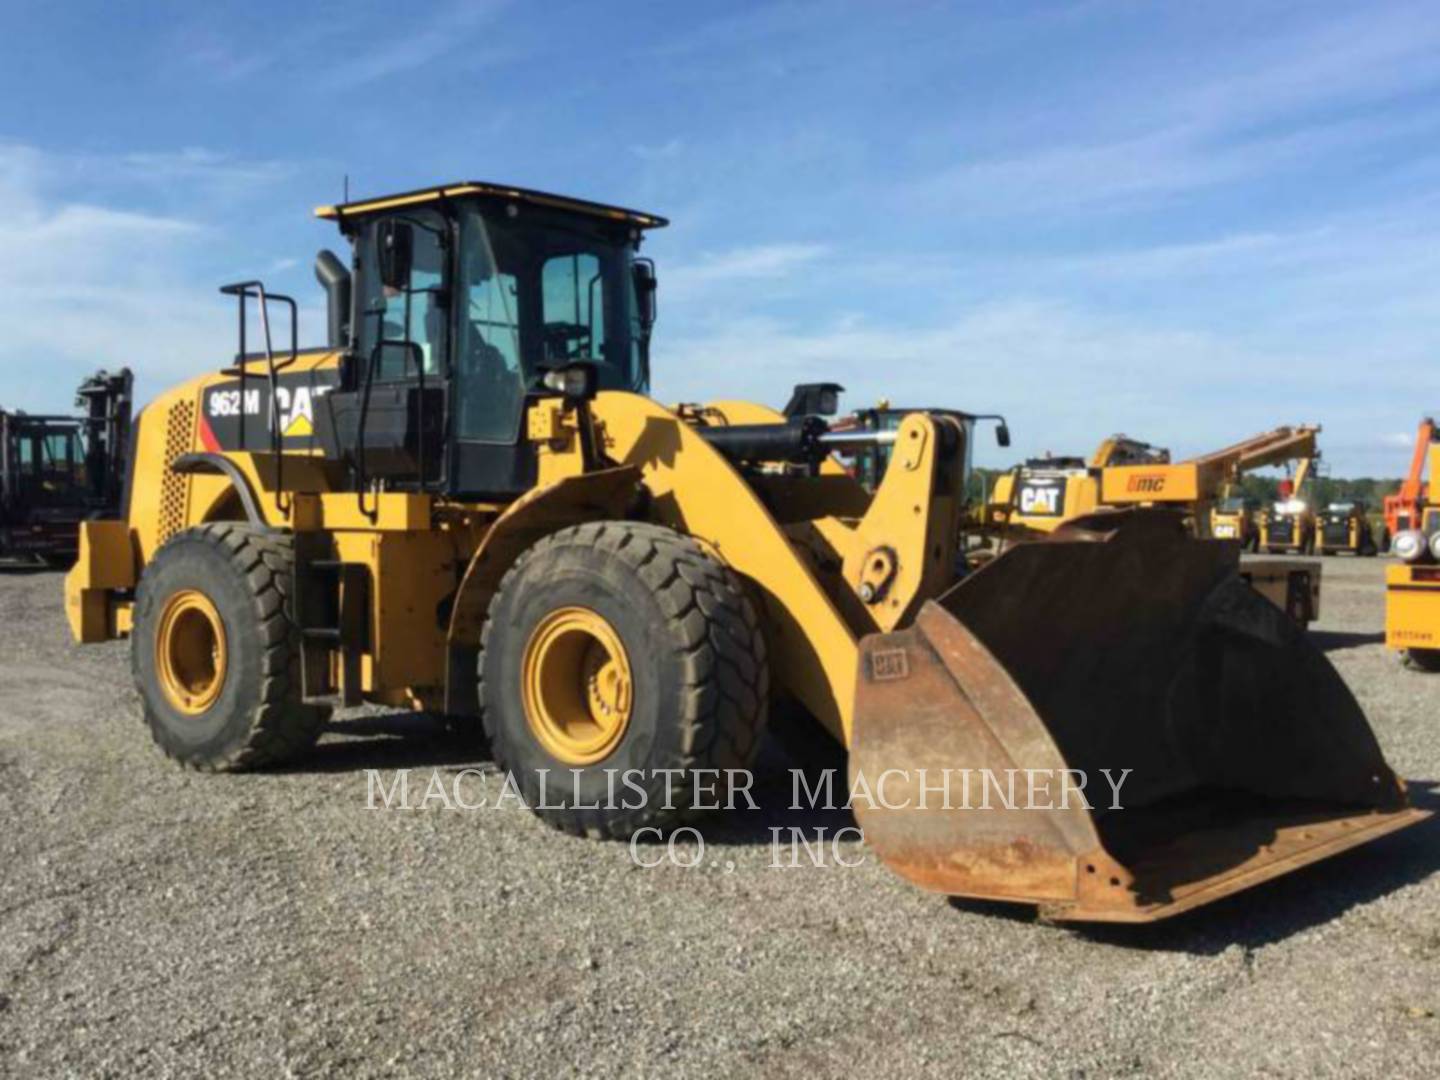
(670, 148)
(368, 50)
(86, 285)
(1129, 173)
(1373, 52)
(1066, 377)
(762, 262)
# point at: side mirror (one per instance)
(814, 399)
(646, 285)
(1002, 434)
(396, 244)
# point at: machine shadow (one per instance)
(798, 802)
(1266, 914)
(392, 740)
(1336, 640)
(1278, 909)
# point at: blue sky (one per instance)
(1188, 222)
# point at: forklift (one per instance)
(57, 471)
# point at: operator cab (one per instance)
(457, 303)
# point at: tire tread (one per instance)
(722, 652)
(282, 726)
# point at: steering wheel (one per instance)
(560, 335)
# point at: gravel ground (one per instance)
(160, 923)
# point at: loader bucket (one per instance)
(982, 733)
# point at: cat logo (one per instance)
(1148, 485)
(1042, 498)
(297, 410)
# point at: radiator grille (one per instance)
(174, 487)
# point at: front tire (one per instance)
(616, 650)
(1427, 660)
(214, 653)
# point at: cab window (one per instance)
(574, 308)
(414, 314)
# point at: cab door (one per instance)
(403, 336)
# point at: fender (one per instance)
(220, 465)
(597, 496)
(694, 490)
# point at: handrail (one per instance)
(243, 290)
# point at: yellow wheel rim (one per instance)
(190, 652)
(576, 686)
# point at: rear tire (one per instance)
(214, 653)
(637, 598)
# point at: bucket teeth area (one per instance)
(1174, 737)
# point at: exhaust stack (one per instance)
(334, 278)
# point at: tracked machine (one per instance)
(467, 502)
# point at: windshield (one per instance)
(1232, 505)
(538, 290)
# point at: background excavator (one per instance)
(467, 502)
(1041, 495)
(1044, 492)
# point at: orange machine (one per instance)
(1402, 510)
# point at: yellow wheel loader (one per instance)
(467, 502)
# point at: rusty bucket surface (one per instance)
(991, 739)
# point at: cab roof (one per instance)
(465, 188)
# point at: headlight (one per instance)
(575, 382)
(1435, 547)
(1409, 545)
